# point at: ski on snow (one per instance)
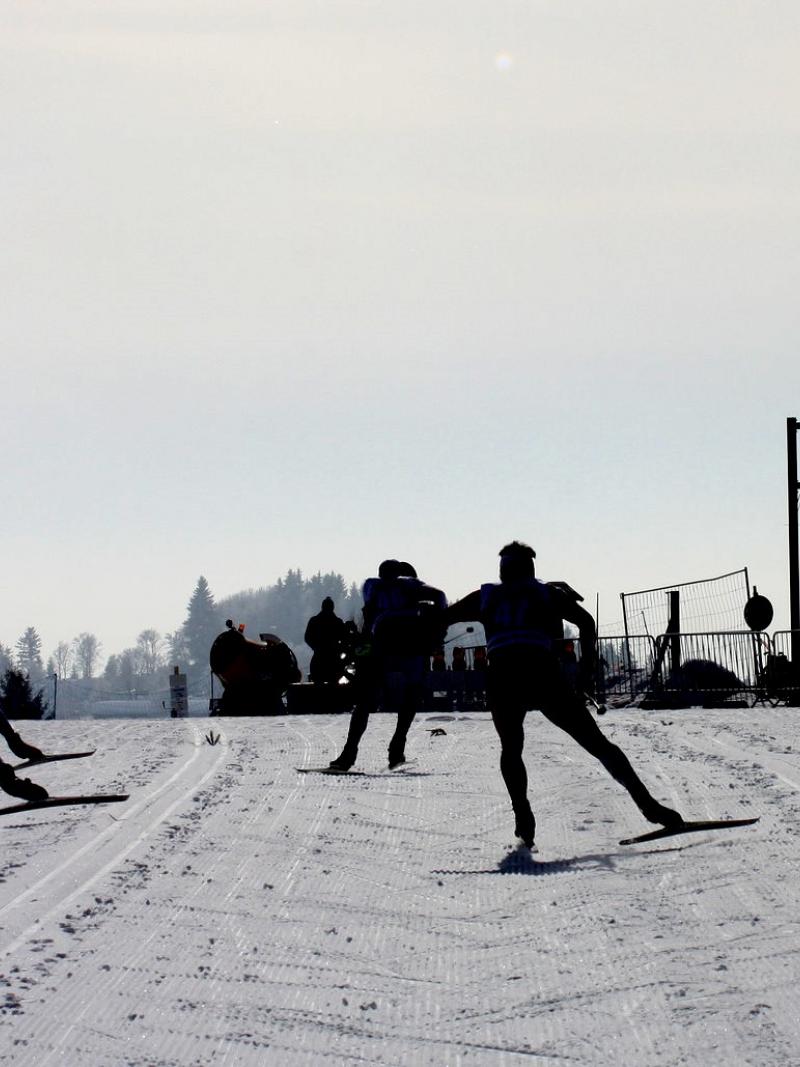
(354, 774)
(690, 826)
(329, 770)
(56, 757)
(58, 802)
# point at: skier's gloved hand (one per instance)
(586, 681)
(25, 789)
(19, 787)
(23, 750)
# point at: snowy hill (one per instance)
(236, 912)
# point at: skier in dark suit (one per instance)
(403, 626)
(9, 782)
(522, 616)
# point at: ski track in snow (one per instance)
(234, 911)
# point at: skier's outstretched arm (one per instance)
(580, 617)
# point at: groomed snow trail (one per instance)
(236, 912)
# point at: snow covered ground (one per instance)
(234, 911)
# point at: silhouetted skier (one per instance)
(521, 616)
(9, 782)
(403, 625)
(325, 635)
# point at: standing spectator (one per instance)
(325, 636)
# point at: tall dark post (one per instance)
(674, 629)
(794, 573)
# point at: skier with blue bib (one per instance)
(403, 625)
(522, 617)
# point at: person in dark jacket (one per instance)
(9, 782)
(403, 626)
(325, 635)
(522, 617)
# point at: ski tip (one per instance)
(689, 826)
(53, 757)
(62, 802)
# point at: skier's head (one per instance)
(327, 604)
(516, 562)
(390, 568)
(406, 570)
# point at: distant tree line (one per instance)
(283, 608)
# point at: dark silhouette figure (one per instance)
(459, 658)
(326, 636)
(522, 617)
(18, 787)
(403, 626)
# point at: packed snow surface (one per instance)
(237, 912)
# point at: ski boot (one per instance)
(657, 813)
(343, 762)
(22, 750)
(525, 827)
(396, 758)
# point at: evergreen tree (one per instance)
(29, 654)
(354, 604)
(17, 700)
(202, 625)
(177, 648)
(111, 669)
(6, 658)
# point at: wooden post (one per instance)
(178, 695)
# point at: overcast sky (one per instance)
(309, 283)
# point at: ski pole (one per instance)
(601, 709)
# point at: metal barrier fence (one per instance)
(626, 666)
(669, 671)
(784, 640)
(782, 675)
(706, 668)
(728, 667)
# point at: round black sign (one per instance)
(758, 611)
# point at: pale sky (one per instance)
(309, 284)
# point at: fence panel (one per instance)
(707, 668)
(626, 666)
(783, 667)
